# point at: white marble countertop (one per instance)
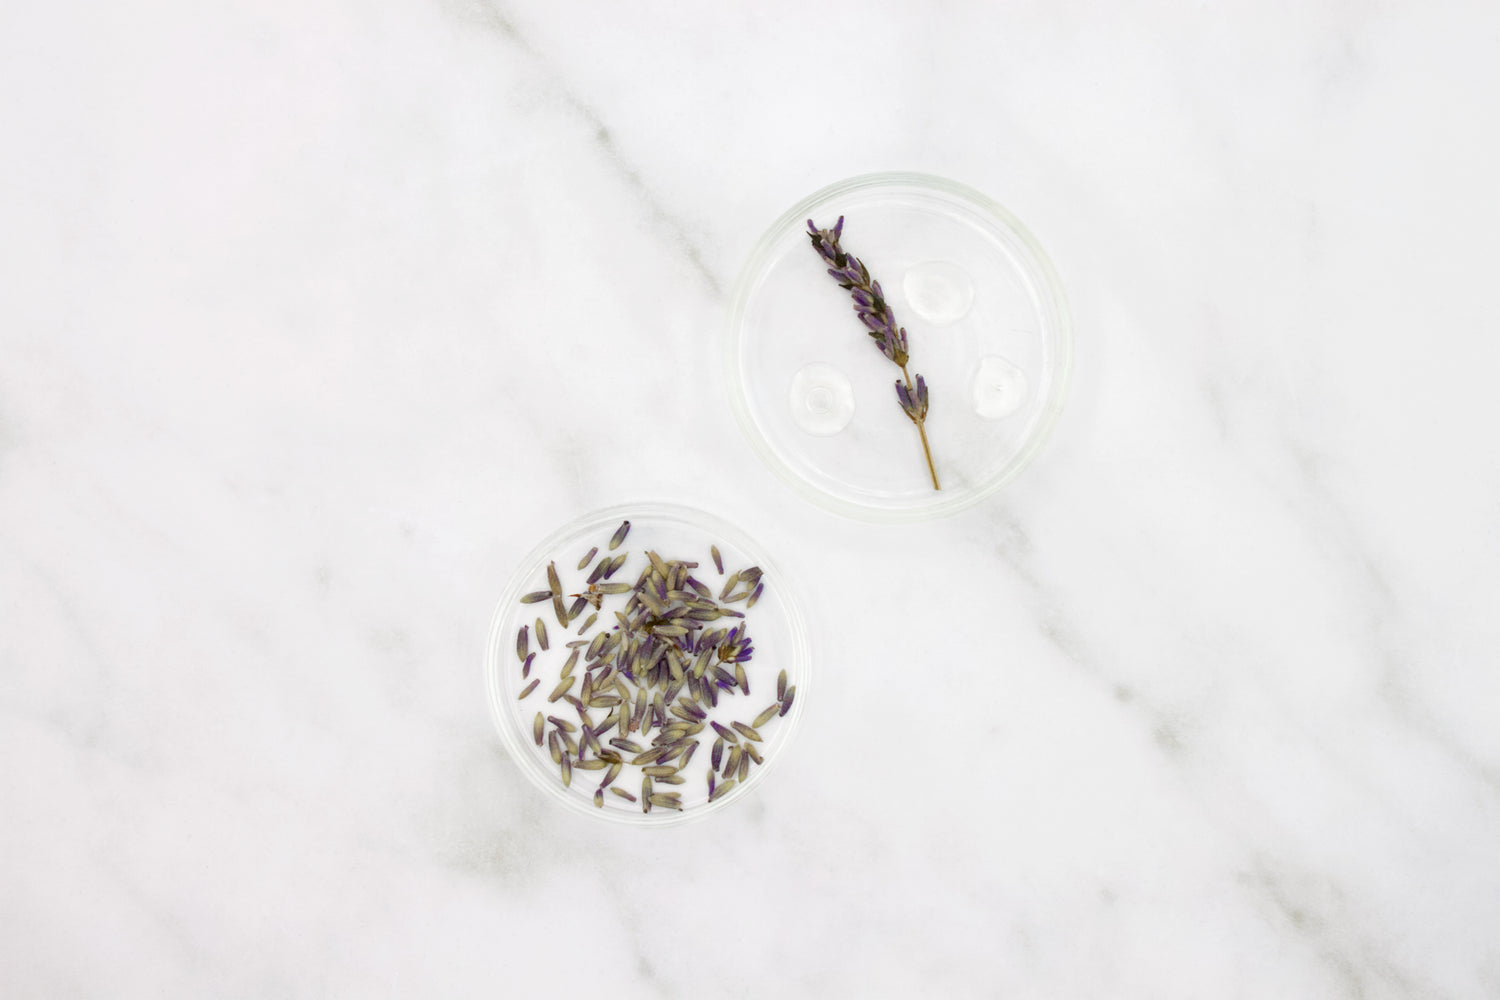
(315, 317)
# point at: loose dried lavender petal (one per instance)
(599, 569)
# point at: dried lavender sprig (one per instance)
(875, 313)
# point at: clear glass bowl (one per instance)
(775, 625)
(988, 329)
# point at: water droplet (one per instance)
(999, 388)
(822, 399)
(939, 291)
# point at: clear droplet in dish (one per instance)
(822, 399)
(999, 388)
(939, 291)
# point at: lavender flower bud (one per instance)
(898, 347)
(913, 402)
(903, 396)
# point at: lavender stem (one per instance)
(880, 324)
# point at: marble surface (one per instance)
(316, 316)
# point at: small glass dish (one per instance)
(988, 328)
(774, 624)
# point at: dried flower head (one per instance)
(879, 322)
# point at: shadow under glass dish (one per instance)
(988, 327)
(775, 625)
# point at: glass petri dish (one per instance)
(774, 624)
(988, 328)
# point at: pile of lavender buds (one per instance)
(661, 674)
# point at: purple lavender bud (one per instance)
(838, 227)
(913, 400)
(912, 407)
